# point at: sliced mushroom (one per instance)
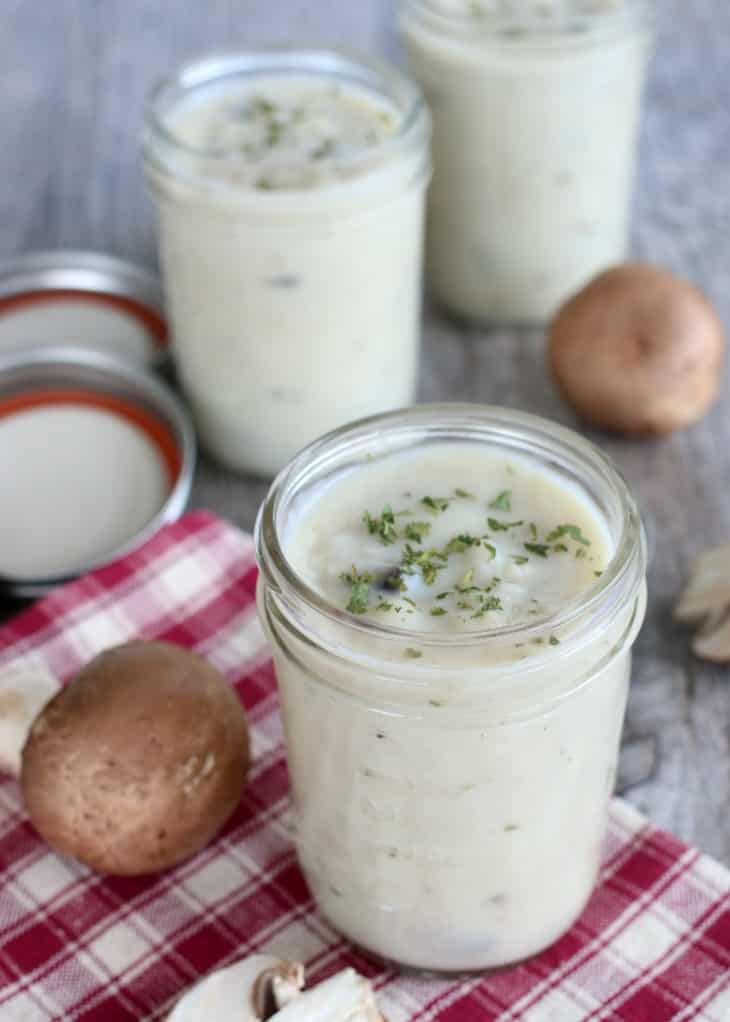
(262, 987)
(346, 997)
(251, 990)
(708, 589)
(24, 691)
(714, 643)
(706, 602)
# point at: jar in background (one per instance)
(450, 808)
(535, 107)
(290, 189)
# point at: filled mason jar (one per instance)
(535, 107)
(290, 189)
(451, 593)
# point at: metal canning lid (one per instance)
(83, 299)
(95, 455)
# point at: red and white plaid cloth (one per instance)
(653, 944)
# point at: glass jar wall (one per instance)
(451, 798)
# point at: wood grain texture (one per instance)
(73, 75)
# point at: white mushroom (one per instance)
(251, 990)
(346, 997)
(263, 988)
(24, 691)
(706, 602)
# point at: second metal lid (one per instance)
(84, 299)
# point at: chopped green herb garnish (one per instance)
(417, 530)
(458, 492)
(520, 559)
(383, 526)
(554, 640)
(502, 502)
(435, 504)
(273, 133)
(496, 526)
(437, 702)
(384, 605)
(540, 549)
(265, 184)
(466, 580)
(413, 654)
(324, 149)
(462, 542)
(438, 612)
(573, 531)
(598, 573)
(360, 589)
(488, 603)
(260, 105)
(560, 548)
(425, 560)
(533, 530)
(442, 596)
(394, 582)
(581, 552)
(491, 549)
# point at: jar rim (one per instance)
(619, 581)
(536, 25)
(337, 62)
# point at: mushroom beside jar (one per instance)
(135, 764)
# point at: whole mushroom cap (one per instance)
(138, 761)
(637, 350)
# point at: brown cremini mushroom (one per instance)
(138, 762)
(638, 350)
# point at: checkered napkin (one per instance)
(653, 944)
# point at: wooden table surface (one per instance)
(73, 74)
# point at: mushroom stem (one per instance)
(263, 988)
(251, 990)
(345, 997)
(24, 691)
(276, 987)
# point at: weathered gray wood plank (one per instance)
(73, 75)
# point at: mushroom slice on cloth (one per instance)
(251, 990)
(24, 691)
(346, 997)
(263, 987)
(706, 601)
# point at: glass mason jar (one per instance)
(295, 307)
(535, 106)
(450, 809)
